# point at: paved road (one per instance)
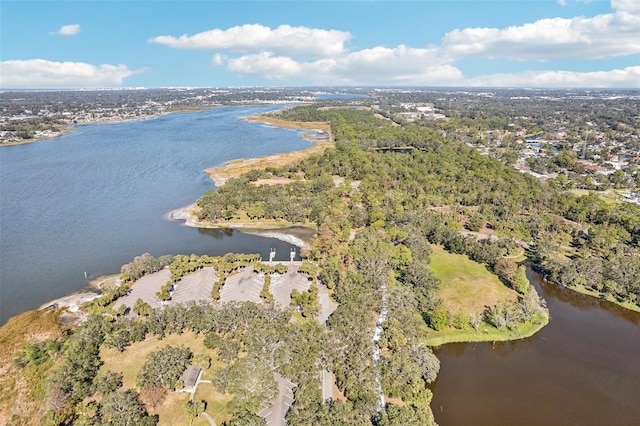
(274, 414)
(327, 306)
(209, 419)
(327, 385)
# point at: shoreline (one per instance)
(237, 167)
(71, 302)
(601, 297)
(493, 335)
(318, 133)
(68, 128)
(592, 293)
(293, 234)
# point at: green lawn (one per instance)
(130, 362)
(216, 402)
(466, 285)
(171, 412)
(610, 196)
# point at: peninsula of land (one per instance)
(319, 133)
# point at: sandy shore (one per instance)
(296, 235)
(319, 135)
(71, 302)
(284, 232)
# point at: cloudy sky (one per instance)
(165, 43)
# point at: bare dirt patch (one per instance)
(287, 124)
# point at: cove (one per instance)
(583, 368)
(93, 199)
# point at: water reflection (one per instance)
(582, 301)
(92, 200)
(216, 233)
(583, 368)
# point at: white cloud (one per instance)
(285, 40)
(305, 55)
(43, 73)
(628, 78)
(379, 65)
(602, 36)
(68, 30)
(219, 59)
(629, 6)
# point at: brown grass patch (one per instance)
(31, 325)
(396, 401)
(15, 389)
(337, 393)
(171, 412)
(235, 168)
(288, 124)
(130, 362)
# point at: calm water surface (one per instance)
(92, 200)
(581, 369)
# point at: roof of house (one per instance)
(190, 376)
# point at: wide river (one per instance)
(583, 368)
(92, 200)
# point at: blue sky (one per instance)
(512, 43)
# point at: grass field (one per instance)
(216, 402)
(171, 412)
(130, 362)
(610, 196)
(486, 333)
(467, 286)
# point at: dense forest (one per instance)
(379, 200)
(380, 175)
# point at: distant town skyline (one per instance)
(535, 43)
